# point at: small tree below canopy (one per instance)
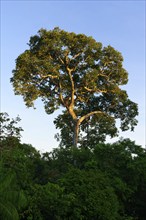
(8, 127)
(76, 72)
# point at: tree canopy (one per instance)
(107, 182)
(74, 71)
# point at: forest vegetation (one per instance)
(85, 178)
(102, 182)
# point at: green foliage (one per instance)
(12, 199)
(93, 130)
(100, 182)
(75, 72)
(51, 201)
(8, 127)
(94, 197)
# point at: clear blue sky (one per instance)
(118, 23)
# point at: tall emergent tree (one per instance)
(76, 72)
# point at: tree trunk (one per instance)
(76, 132)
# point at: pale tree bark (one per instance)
(77, 123)
(76, 132)
(70, 108)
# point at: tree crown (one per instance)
(76, 72)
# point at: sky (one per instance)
(120, 24)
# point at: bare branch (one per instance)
(49, 76)
(61, 60)
(72, 87)
(95, 90)
(78, 54)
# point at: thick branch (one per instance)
(90, 114)
(72, 113)
(72, 88)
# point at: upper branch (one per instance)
(75, 56)
(72, 87)
(95, 90)
(90, 114)
(49, 76)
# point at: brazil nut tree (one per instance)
(75, 72)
